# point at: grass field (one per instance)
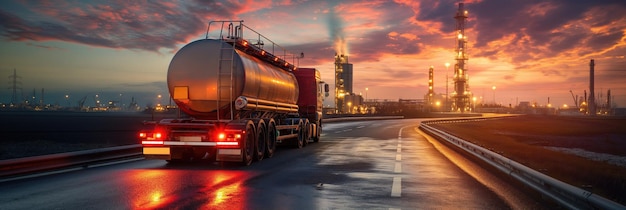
(582, 151)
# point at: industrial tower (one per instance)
(431, 84)
(343, 82)
(461, 94)
(15, 86)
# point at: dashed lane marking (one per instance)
(396, 188)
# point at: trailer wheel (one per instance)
(301, 134)
(307, 133)
(261, 140)
(271, 139)
(248, 144)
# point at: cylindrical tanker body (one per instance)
(209, 75)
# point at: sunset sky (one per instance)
(529, 49)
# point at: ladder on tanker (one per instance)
(226, 68)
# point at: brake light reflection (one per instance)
(175, 188)
(230, 195)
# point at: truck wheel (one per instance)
(316, 135)
(261, 140)
(301, 135)
(271, 139)
(248, 144)
(307, 133)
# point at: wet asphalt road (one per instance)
(356, 165)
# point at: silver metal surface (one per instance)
(195, 66)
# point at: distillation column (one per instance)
(343, 82)
(461, 94)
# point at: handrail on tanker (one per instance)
(285, 53)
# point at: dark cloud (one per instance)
(123, 24)
(544, 28)
(599, 42)
(439, 11)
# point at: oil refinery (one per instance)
(461, 94)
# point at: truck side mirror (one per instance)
(326, 89)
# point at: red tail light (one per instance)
(228, 139)
(152, 136)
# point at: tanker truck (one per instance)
(240, 98)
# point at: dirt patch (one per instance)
(531, 140)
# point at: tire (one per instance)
(248, 144)
(271, 139)
(301, 135)
(307, 133)
(261, 140)
(318, 132)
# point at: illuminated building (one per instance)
(343, 82)
(461, 93)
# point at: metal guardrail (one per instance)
(29, 165)
(566, 195)
(345, 119)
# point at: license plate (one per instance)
(229, 152)
(156, 150)
(191, 138)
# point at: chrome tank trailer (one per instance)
(201, 89)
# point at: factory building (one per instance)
(345, 99)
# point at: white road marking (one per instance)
(396, 188)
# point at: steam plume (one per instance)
(335, 26)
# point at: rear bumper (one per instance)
(181, 150)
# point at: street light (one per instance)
(446, 106)
(366, 89)
(474, 104)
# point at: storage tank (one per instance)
(193, 73)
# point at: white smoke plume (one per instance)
(335, 27)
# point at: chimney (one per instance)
(592, 98)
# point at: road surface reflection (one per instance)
(196, 189)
